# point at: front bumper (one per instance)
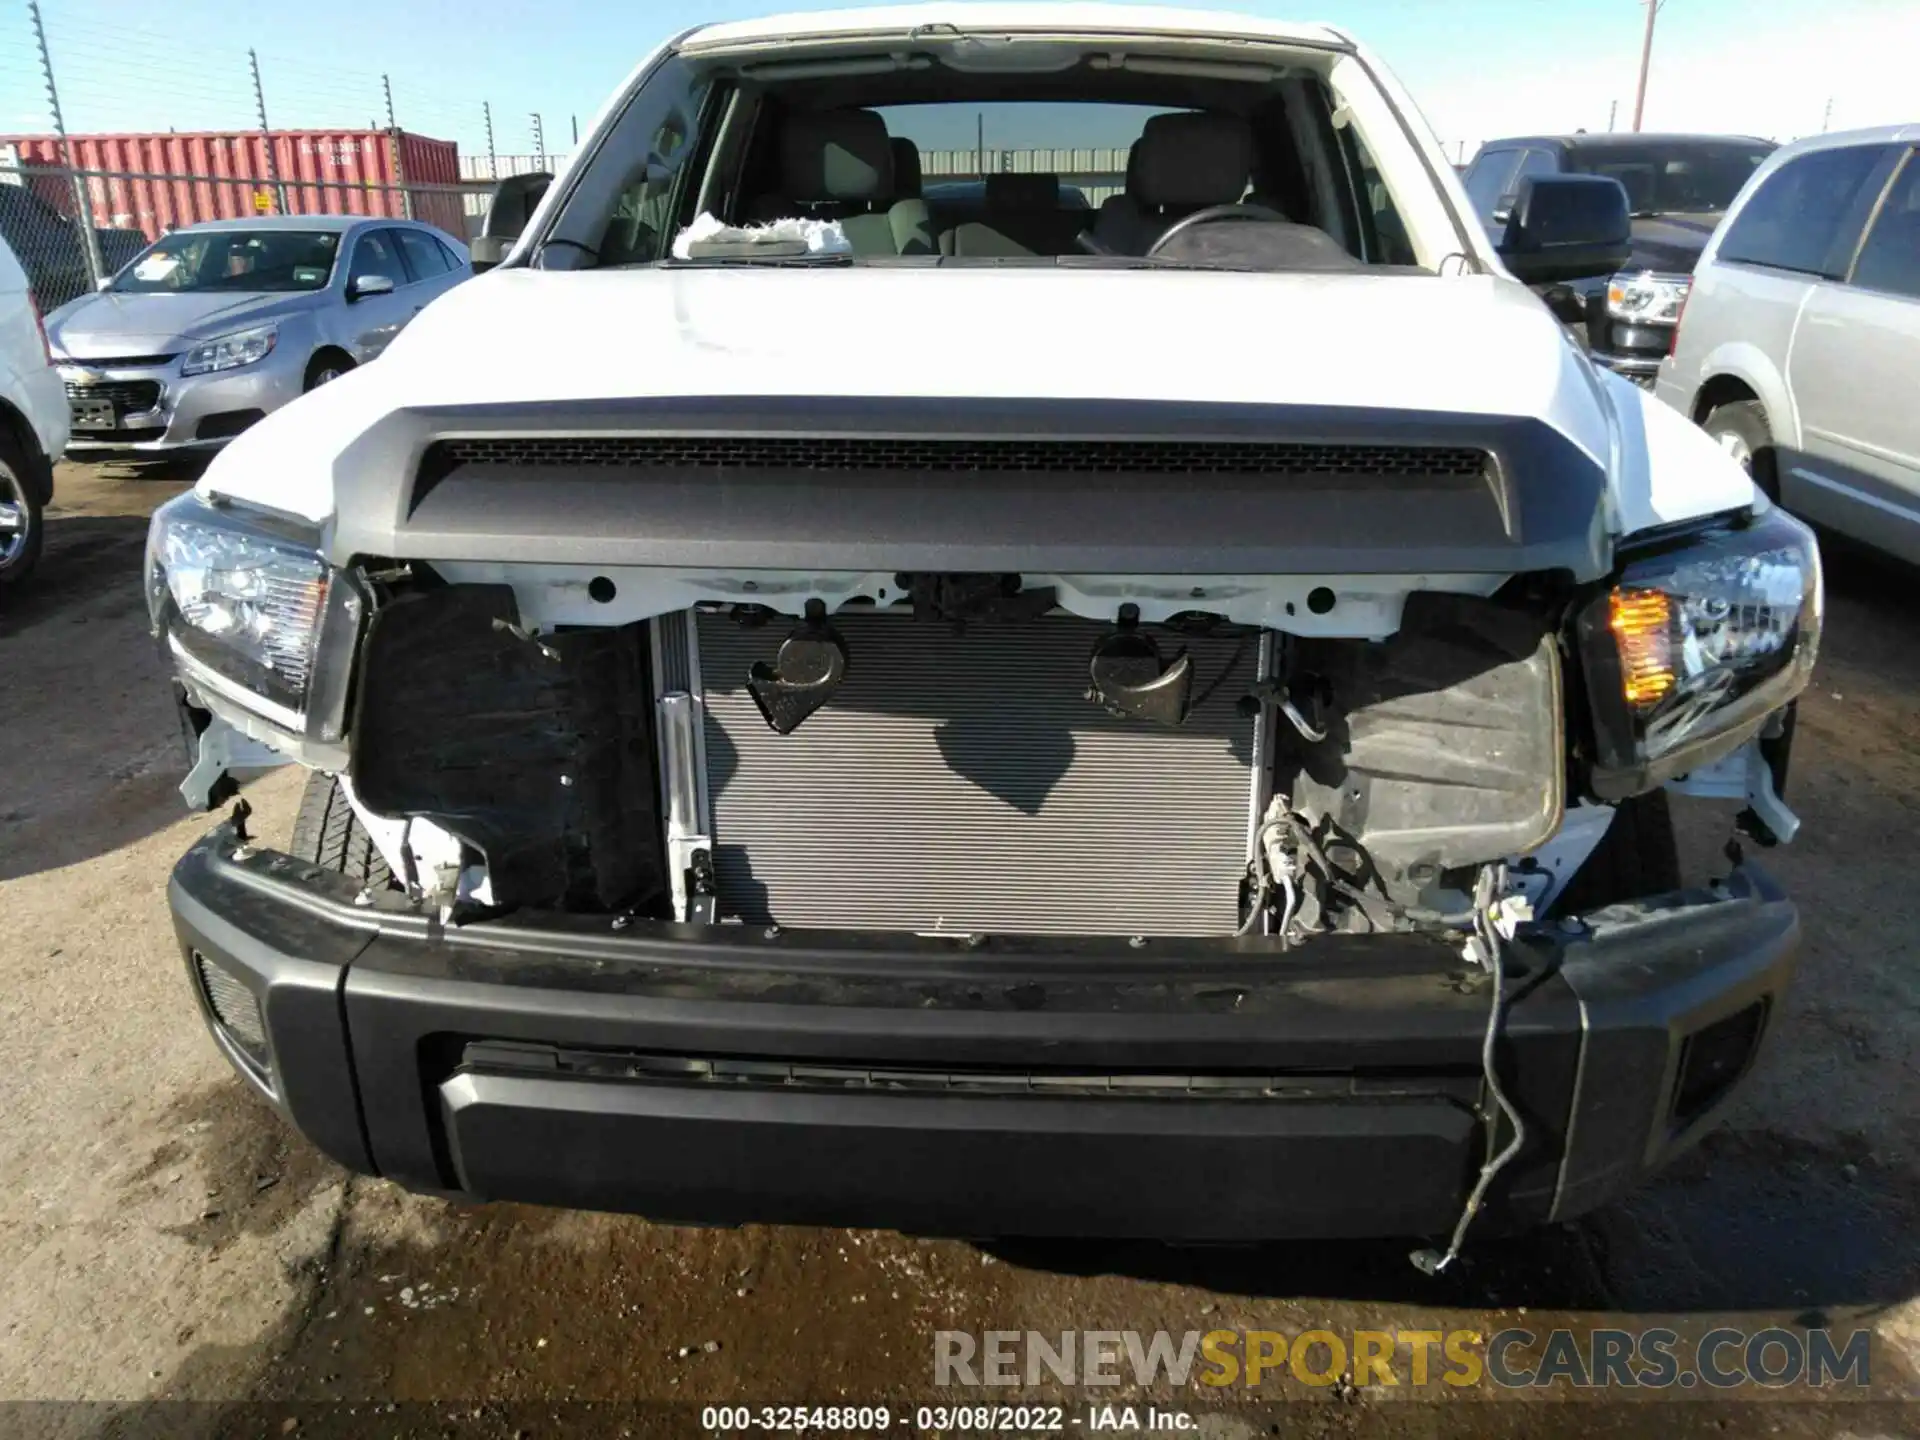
(191, 412)
(1185, 1089)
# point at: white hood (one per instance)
(1465, 345)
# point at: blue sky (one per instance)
(1477, 67)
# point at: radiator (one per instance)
(964, 784)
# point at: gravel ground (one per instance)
(163, 1236)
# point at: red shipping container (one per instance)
(159, 182)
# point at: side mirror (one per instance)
(509, 208)
(1566, 227)
(487, 251)
(362, 286)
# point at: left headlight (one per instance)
(1647, 299)
(1695, 645)
(248, 608)
(230, 352)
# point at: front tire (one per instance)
(328, 833)
(326, 367)
(1741, 430)
(22, 524)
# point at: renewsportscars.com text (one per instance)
(1650, 1358)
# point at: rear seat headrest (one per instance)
(836, 155)
(1193, 158)
(1023, 192)
(906, 168)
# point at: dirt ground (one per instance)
(164, 1237)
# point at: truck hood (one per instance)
(1671, 244)
(98, 327)
(1474, 345)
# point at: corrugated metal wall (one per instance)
(158, 182)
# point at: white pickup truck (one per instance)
(996, 715)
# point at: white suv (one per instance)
(33, 424)
(1800, 344)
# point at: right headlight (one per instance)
(1648, 299)
(251, 612)
(230, 352)
(1695, 645)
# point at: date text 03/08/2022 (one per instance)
(985, 1419)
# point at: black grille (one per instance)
(233, 1005)
(844, 453)
(123, 362)
(128, 396)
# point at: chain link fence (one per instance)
(41, 214)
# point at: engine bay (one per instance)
(965, 758)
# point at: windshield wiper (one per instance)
(721, 262)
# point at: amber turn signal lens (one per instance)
(1642, 623)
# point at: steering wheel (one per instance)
(1240, 210)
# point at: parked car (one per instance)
(1801, 343)
(216, 325)
(1678, 186)
(33, 424)
(51, 247)
(1167, 741)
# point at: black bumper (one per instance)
(1187, 1089)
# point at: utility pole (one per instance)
(576, 132)
(266, 135)
(1613, 114)
(394, 149)
(83, 202)
(1646, 61)
(539, 140)
(493, 163)
(1827, 118)
(979, 143)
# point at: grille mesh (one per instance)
(966, 784)
(128, 396)
(233, 1004)
(807, 452)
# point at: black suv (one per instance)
(1678, 187)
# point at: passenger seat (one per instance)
(839, 165)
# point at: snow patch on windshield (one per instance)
(709, 237)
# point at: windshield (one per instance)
(234, 260)
(1027, 153)
(1674, 177)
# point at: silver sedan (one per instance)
(217, 324)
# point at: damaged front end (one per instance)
(729, 725)
(1278, 745)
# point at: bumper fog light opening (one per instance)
(234, 1007)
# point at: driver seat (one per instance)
(1181, 164)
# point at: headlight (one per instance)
(1696, 645)
(230, 352)
(245, 604)
(1648, 299)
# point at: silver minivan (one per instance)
(1799, 347)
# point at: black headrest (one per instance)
(1193, 158)
(906, 168)
(836, 155)
(1023, 192)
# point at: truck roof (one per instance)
(1001, 16)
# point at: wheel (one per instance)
(327, 365)
(328, 833)
(1741, 430)
(22, 528)
(1638, 856)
